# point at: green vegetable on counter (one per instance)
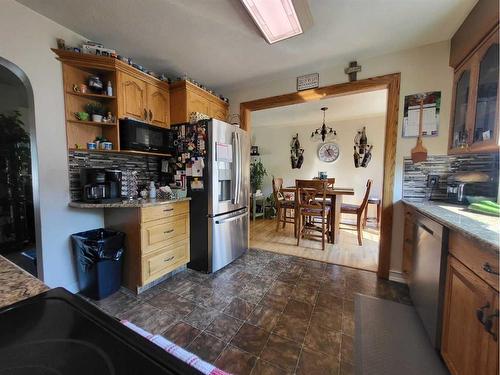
(485, 208)
(491, 204)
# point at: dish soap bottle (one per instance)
(152, 190)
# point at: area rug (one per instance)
(390, 340)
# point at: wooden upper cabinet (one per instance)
(143, 100)
(186, 98)
(197, 103)
(474, 117)
(158, 106)
(218, 111)
(131, 97)
(485, 131)
(468, 345)
(459, 137)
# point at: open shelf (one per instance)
(92, 123)
(130, 152)
(90, 95)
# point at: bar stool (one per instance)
(378, 202)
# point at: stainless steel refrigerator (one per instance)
(219, 209)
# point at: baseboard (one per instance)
(397, 276)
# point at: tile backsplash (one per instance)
(415, 175)
(146, 166)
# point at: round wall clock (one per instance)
(328, 152)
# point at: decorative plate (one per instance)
(328, 152)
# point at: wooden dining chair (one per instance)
(330, 184)
(284, 205)
(313, 212)
(330, 181)
(358, 211)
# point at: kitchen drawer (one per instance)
(474, 257)
(158, 233)
(164, 260)
(163, 211)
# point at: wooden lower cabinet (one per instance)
(164, 260)
(467, 347)
(156, 242)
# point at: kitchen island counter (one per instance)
(481, 228)
(17, 284)
(137, 203)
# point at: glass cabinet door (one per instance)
(462, 86)
(487, 92)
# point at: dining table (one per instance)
(335, 194)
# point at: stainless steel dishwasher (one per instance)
(428, 274)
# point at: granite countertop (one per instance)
(483, 228)
(17, 284)
(128, 203)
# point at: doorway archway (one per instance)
(20, 239)
(391, 82)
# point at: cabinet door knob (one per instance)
(487, 267)
(168, 209)
(168, 231)
(150, 115)
(488, 324)
(480, 313)
(145, 114)
(168, 259)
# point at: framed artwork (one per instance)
(431, 110)
(308, 81)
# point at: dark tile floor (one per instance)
(266, 313)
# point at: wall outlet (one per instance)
(432, 180)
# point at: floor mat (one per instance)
(390, 339)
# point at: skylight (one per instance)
(277, 19)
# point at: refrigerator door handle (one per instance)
(238, 169)
(232, 218)
(235, 168)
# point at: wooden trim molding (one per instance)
(391, 82)
(85, 60)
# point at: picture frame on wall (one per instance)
(308, 81)
(431, 111)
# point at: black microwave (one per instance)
(138, 136)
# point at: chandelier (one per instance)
(325, 132)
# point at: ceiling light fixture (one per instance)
(325, 132)
(278, 19)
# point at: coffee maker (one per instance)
(100, 185)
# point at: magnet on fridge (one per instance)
(201, 144)
(196, 184)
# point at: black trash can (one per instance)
(99, 255)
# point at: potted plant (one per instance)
(257, 173)
(96, 111)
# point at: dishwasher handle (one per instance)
(426, 228)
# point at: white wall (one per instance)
(25, 40)
(422, 69)
(274, 149)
